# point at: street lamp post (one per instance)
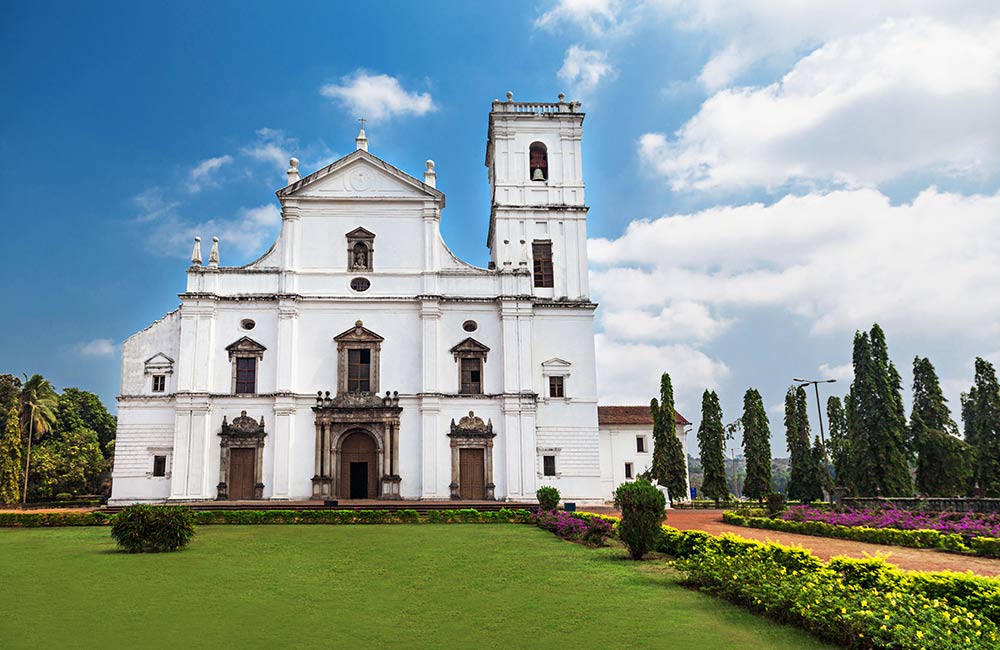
(819, 411)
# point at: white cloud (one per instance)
(202, 174)
(838, 260)
(247, 233)
(843, 373)
(377, 96)
(271, 146)
(749, 32)
(152, 205)
(627, 372)
(907, 97)
(595, 16)
(98, 348)
(679, 320)
(583, 69)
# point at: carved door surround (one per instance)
(340, 417)
(243, 433)
(471, 433)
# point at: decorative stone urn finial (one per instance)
(196, 252)
(430, 176)
(293, 170)
(510, 96)
(213, 255)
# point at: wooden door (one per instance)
(242, 463)
(358, 455)
(471, 474)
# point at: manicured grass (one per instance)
(405, 586)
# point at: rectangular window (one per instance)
(472, 376)
(541, 253)
(359, 371)
(159, 465)
(549, 465)
(246, 375)
(640, 444)
(556, 386)
(159, 383)
(628, 470)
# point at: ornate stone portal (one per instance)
(338, 421)
(244, 433)
(471, 434)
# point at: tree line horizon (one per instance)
(873, 449)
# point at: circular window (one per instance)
(470, 326)
(360, 284)
(247, 324)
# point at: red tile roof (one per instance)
(631, 415)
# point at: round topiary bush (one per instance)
(642, 507)
(548, 497)
(152, 529)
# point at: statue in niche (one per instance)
(360, 257)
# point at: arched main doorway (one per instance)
(358, 466)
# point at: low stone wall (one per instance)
(927, 505)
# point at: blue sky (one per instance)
(764, 177)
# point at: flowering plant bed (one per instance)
(929, 539)
(966, 524)
(576, 526)
(855, 603)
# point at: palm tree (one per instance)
(39, 401)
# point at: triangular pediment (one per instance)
(360, 175)
(159, 362)
(469, 346)
(358, 333)
(360, 233)
(556, 362)
(245, 345)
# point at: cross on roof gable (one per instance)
(360, 157)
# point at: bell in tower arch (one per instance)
(538, 174)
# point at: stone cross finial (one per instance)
(196, 252)
(213, 255)
(430, 176)
(361, 142)
(293, 170)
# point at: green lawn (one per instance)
(428, 586)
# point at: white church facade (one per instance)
(359, 358)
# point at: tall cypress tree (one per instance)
(943, 459)
(876, 421)
(969, 433)
(838, 441)
(10, 458)
(816, 480)
(986, 429)
(711, 444)
(669, 467)
(797, 440)
(756, 446)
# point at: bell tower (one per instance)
(538, 217)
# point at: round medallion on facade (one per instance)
(360, 179)
(360, 284)
(470, 326)
(247, 324)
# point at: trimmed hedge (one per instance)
(928, 539)
(854, 603)
(466, 516)
(153, 529)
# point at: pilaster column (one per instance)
(284, 426)
(430, 409)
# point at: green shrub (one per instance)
(855, 604)
(148, 529)
(775, 504)
(548, 497)
(987, 546)
(643, 508)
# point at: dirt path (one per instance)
(914, 559)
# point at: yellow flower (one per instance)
(843, 610)
(919, 634)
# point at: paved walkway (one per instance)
(914, 559)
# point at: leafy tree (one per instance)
(756, 446)
(876, 421)
(80, 408)
(985, 428)
(969, 433)
(642, 507)
(38, 401)
(10, 390)
(817, 478)
(71, 463)
(838, 443)
(943, 459)
(797, 440)
(10, 458)
(668, 467)
(711, 444)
